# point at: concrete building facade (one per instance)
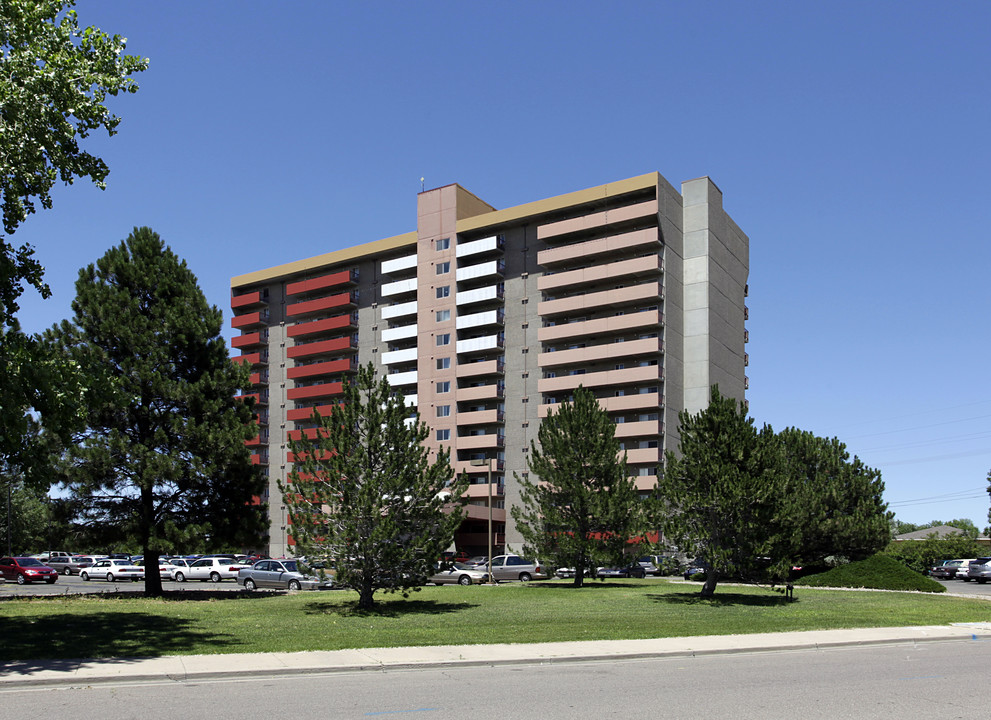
(485, 319)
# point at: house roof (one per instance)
(939, 531)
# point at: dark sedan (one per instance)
(25, 570)
(636, 570)
(947, 570)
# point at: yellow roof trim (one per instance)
(327, 259)
(542, 207)
(464, 224)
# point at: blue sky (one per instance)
(850, 141)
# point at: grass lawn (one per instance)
(66, 627)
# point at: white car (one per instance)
(212, 569)
(111, 570)
(458, 574)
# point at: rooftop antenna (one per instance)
(421, 184)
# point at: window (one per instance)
(444, 243)
(443, 435)
(443, 291)
(443, 411)
(443, 315)
(444, 339)
(443, 363)
(443, 267)
(443, 387)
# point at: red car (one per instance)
(25, 570)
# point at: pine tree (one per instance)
(720, 495)
(162, 462)
(581, 510)
(365, 492)
(830, 505)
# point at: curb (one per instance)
(192, 668)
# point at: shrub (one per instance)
(878, 572)
(920, 555)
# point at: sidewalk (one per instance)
(188, 668)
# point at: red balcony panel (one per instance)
(252, 359)
(327, 324)
(303, 414)
(323, 347)
(250, 340)
(322, 455)
(309, 433)
(255, 378)
(315, 391)
(256, 440)
(343, 277)
(246, 300)
(249, 319)
(324, 368)
(325, 303)
(256, 396)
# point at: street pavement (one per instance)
(183, 668)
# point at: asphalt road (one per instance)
(74, 584)
(925, 682)
(69, 584)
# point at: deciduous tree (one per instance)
(365, 491)
(162, 461)
(55, 78)
(579, 508)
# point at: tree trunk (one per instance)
(579, 575)
(709, 588)
(365, 599)
(153, 577)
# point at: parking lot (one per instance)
(73, 584)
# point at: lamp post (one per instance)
(488, 462)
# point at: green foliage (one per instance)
(54, 86)
(162, 462)
(721, 494)
(830, 505)
(580, 510)
(365, 492)
(879, 572)
(921, 555)
(56, 78)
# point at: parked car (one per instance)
(962, 570)
(514, 567)
(166, 570)
(79, 562)
(979, 570)
(26, 570)
(112, 570)
(946, 570)
(634, 570)
(458, 574)
(569, 572)
(213, 569)
(282, 574)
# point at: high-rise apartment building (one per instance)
(486, 319)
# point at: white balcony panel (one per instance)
(477, 295)
(399, 356)
(488, 342)
(484, 269)
(477, 246)
(393, 311)
(398, 264)
(399, 333)
(410, 400)
(399, 287)
(489, 317)
(403, 378)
